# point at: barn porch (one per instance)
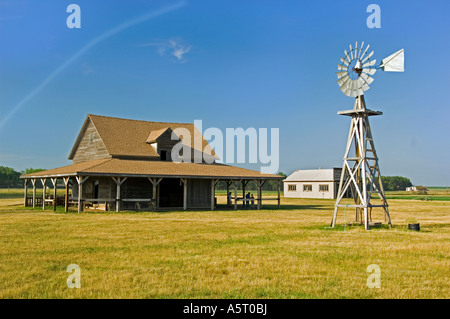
(117, 184)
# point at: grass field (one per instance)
(287, 253)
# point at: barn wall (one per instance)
(106, 188)
(90, 148)
(199, 193)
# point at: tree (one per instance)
(9, 178)
(32, 170)
(395, 183)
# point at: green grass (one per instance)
(287, 253)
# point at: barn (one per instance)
(125, 164)
(313, 183)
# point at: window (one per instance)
(307, 188)
(163, 155)
(91, 137)
(292, 188)
(323, 188)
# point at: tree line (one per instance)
(9, 178)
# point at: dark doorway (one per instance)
(163, 155)
(171, 193)
(96, 190)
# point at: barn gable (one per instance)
(89, 144)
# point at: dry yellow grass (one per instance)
(284, 253)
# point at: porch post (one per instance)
(80, 181)
(26, 192)
(33, 181)
(54, 182)
(279, 194)
(119, 181)
(213, 192)
(66, 194)
(258, 184)
(155, 183)
(44, 186)
(243, 194)
(228, 190)
(184, 181)
(235, 194)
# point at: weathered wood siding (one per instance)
(91, 146)
(199, 193)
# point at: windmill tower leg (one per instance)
(360, 172)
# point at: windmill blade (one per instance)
(353, 85)
(344, 62)
(369, 71)
(367, 78)
(360, 50)
(356, 49)
(351, 52)
(359, 92)
(395, 62)
(347, 57)
(342, 81)
(342, 67)
(368, 57)
(365, 87)
(344, 89)
(360, 82)
(362, 85)
(364, 53)
(370, 63)
(341, 74)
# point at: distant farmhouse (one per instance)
(313, 183)
(416, 189)
(126, 164)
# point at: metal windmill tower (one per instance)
(360, 172)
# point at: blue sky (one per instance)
(262, 64)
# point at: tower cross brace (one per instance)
(360, 171)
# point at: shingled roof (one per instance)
(124, 137)
(145, 168)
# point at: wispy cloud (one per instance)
(86, 69)
(174, 47)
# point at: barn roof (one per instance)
(150, 168)
(311, 175)
(125, 137)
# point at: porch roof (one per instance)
(149, 168)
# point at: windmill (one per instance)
(360, 174)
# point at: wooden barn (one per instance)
(126, 164)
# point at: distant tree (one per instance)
(32, 170)
(422, 190)
(395, 183)
(9, 178)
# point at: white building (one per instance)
(313, 183)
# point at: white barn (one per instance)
(313, 183)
